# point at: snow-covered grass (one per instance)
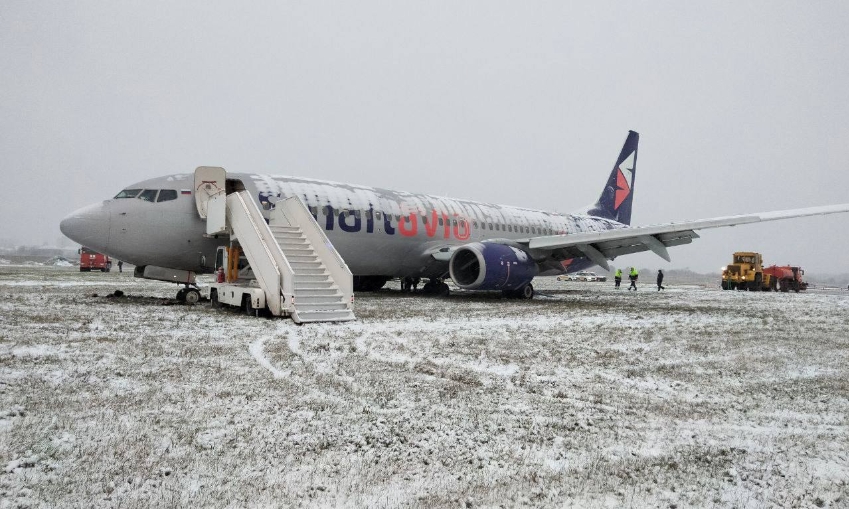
(583, 397)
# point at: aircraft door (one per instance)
(210, 197)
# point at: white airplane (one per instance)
(383, 234)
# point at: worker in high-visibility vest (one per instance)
(617, 278)
(633, 275)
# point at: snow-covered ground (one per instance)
(583, 397)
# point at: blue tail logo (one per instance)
(618, 194)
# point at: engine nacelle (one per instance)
(490, 266)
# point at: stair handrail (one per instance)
(295, 211)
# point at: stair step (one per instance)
(320, 306)
(307, 264)
(317, 292)
(312, 271)
(333, 298)
(301, 256)
(323, 316)
(311, 278)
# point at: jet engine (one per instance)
(490, 266)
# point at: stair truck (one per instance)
(236, 284)
(280, 266)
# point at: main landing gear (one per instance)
(369, 283)
(525, 292)
(436, 286)
(190, 294)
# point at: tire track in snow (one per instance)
(257, 349)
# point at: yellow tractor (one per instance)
(746, 273)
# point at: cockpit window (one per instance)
(167, 195)
(128, 193)
(148, 195)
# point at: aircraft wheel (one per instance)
(192, 296)
(526, 292)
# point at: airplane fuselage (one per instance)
(377, 231)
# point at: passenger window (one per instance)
(128, 193)
(167, 195)
(424, 219)
(148, 195)
(440, 221)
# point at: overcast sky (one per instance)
(741, 106)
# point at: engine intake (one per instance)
(490, 266)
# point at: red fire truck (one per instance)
(93, 260)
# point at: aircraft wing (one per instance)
(606, 245)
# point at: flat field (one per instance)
(584, 397)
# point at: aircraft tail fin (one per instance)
(615, 200)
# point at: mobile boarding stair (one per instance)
(293, 261)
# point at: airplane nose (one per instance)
(88, 226)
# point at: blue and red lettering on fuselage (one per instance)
(436, 224)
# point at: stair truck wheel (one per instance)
(724, 285)
(213, 298)
(192, 296)
(181, 295)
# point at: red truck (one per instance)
(93, 260)
(786, 278)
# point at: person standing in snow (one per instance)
(660, 280)
(617, 278)
(633, 275)
(120, 266)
